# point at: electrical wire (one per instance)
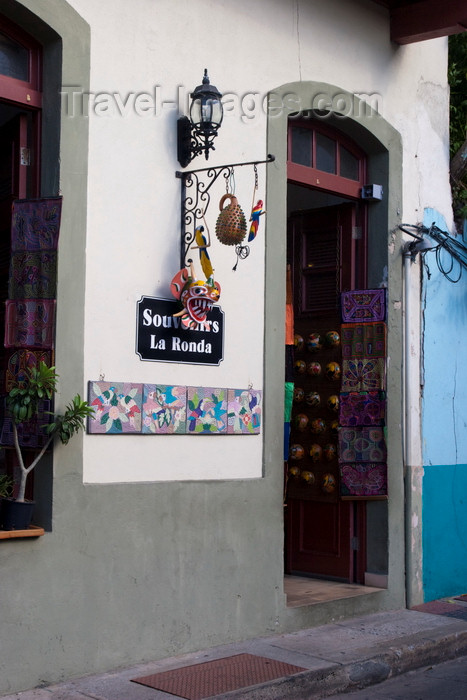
(456, 249)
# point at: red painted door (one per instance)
(321, 529)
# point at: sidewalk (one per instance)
(332, 659)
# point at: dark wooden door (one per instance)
(321, 529)
(13, 185)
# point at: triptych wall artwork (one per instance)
(160, 409)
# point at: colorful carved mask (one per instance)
(197, 297)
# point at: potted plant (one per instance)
(23, 404)
(6, 486)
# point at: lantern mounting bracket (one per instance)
(195, 198)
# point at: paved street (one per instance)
(447, 680)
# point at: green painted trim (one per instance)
(66, 41)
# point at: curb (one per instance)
(414, 653)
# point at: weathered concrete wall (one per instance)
(144, 559)
(444, 422)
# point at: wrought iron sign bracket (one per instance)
(195, 198)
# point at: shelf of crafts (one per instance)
(32, 531)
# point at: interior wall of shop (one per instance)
(444, 423)
(154, 567)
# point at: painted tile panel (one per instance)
(117, 407)
(244, 411)
(164, 409)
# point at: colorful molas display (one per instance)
(299, 366)
(298, 394)
(318, 426)
(299, 343)
(314, 368)
(330, 452)
(315, 452)
(313, 399)
(301, 422)
(329, 483)
(314, 342)
(332, 339)
(296, 452)
(333, 370)
(309, 477)
(333, 403)
(334, 428)
(294, 471)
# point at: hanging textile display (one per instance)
(363, 357)
(362, 408)
(29, 323)
(33, 275)
(363, 306)
(361, 444)
(30, 307)
(363, 480)
(22, 361)
(362, 402)
(35, 224)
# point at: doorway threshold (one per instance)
(302, 590)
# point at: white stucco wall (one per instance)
(134, 197)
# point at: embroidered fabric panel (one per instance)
(363, 375)
(31, 433)
(29, 323)
(23, 360)
(33, 275)
(244, 411)
(35, 224)
(164, 409)
(361, 445)
(363, 480)
(363, 305)
(363, 341)
(362, 408)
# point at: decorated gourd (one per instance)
(231, 224)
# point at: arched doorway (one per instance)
(381, 144)
(326, 255)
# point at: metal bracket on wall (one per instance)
(195, 198)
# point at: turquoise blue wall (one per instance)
(444, 427)
(444, 530)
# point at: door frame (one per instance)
(383, 146)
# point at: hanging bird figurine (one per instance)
(204, 259)
(254, 218)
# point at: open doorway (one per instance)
(326, 255)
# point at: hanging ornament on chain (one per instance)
(257, 210)
(231, 223)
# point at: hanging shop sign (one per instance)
(161, 335)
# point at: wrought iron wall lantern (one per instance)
(196, 134)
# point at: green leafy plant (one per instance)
(457, 77)
(6, 486)
(23, 402)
